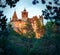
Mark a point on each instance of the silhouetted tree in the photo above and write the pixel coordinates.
(3, 24)
(3, 4)
(11, 3)
(3, 30)
(52, 12)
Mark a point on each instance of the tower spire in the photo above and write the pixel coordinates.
(14, 17)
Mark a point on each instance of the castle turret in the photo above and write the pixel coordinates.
(24, 14)
(14, 17)
(41, 19)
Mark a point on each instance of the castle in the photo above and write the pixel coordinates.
(19, 24)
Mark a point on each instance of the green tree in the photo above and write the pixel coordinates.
(3, 25)
(52, 12)
(38, 23)
(46, 45)
(30, 32)
(39, 26)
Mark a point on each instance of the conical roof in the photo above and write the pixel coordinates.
(14, 17)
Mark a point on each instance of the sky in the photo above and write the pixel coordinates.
(27, 4)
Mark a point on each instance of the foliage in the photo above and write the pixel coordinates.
(29, 28)
(3, 31)
(39, 26)
(20, 45)
(46, 45)
(30, 46)
(38, 23)
(49, 28)
(3, 25)
(11, 3)
(52, 10)
(35, 2)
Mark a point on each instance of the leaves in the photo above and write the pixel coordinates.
(48, 7)
(11, 3)
(43, 1)
(29, 28)
(50, 3)
(1, 13)
(35, 2)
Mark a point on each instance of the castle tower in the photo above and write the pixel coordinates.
(14, 17)
(24, 14)
(41, 19)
